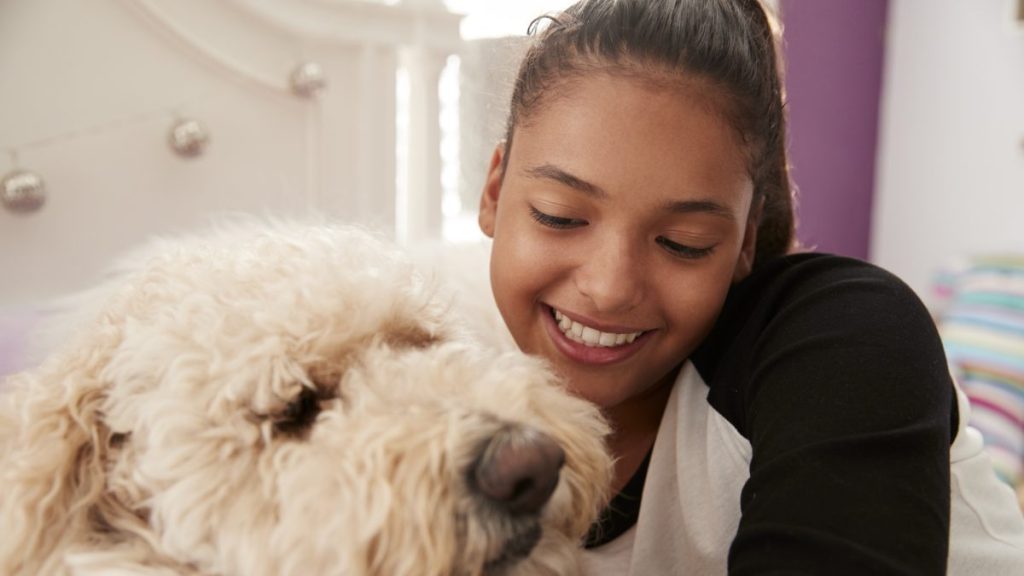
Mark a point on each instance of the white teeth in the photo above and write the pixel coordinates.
(563, 323)
(589, 336)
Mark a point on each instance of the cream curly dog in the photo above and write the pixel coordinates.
(279, 399)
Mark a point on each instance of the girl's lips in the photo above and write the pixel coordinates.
(586, 354)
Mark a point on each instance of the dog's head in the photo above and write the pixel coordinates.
(286, 399)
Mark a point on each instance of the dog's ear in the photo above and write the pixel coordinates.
(52, 444)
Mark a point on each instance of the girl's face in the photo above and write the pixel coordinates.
(622, 219)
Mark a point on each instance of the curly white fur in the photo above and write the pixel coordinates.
(157, 442)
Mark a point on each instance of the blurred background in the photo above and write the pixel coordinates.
(120, 119)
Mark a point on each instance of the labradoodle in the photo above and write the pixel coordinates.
(276, 398)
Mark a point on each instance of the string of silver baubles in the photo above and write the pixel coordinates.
(23, 191)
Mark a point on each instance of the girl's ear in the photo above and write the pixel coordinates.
(492, 189)
(745, 262)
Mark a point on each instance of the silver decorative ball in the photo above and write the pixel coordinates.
(188, 138)
(307, 79)
(22, 191)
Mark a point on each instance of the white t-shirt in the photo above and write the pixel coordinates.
(690, 509)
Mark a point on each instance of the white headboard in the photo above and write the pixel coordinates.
(91, 90)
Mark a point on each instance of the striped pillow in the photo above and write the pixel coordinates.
(982, 327)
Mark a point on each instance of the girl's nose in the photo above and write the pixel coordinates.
(612, 277)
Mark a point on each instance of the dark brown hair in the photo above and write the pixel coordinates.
(726, 45)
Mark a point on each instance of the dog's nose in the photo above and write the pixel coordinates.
(519, 469)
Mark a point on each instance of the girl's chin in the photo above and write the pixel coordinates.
(601, 397)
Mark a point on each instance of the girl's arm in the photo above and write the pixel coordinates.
(845, 396)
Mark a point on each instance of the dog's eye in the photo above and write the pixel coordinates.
(299, 415)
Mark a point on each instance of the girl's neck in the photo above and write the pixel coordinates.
(635, 426)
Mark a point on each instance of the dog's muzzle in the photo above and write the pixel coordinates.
(516, 473)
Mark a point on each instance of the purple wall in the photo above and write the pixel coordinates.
(834, 52)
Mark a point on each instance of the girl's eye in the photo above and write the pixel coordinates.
(555, 221)
(682, 251)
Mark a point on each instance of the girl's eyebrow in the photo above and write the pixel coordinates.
(709, 207)
(552, 172)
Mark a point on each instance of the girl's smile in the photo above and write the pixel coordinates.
(590, 342)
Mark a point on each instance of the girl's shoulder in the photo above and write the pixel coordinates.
(795, 276)
(804, 293)
(820, 324)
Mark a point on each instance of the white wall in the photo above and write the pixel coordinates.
(489, 67)
(951, 156)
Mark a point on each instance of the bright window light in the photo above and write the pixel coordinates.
(496, 18)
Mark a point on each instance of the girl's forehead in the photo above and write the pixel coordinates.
(619, 127)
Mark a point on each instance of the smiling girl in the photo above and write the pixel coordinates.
(773, 411)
